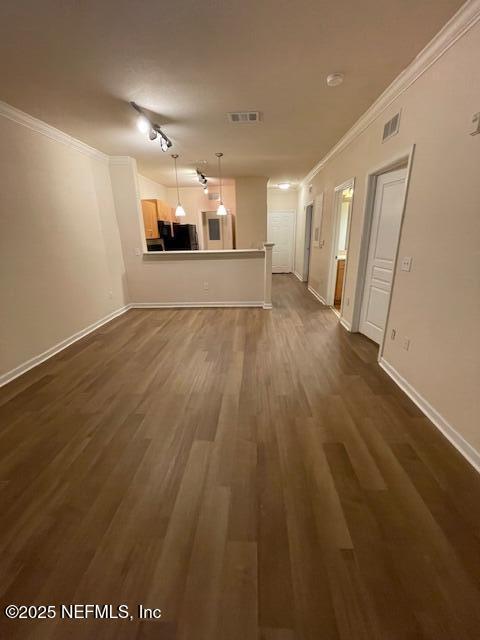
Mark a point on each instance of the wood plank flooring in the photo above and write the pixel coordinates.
(253, 474)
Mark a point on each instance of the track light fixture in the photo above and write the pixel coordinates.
(203, 180)
(154, 131)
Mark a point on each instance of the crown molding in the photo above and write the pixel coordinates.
(465, 18)
(26, 120)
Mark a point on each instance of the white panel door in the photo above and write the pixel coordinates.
(281, 231)
(384, 236)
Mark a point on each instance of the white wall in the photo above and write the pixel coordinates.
(171, 279)
(60, 257)
(151, 190)
(437, 304)
(251, 219)
(281, 199)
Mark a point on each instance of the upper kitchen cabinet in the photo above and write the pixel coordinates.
(153, 211)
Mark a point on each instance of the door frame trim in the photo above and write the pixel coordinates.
(306, 264)
(294, 236)
(332, 272)
(401, 159)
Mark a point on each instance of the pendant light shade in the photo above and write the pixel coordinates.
(179, 211)
(221, 211)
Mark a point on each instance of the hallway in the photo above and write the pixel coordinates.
(253, 474)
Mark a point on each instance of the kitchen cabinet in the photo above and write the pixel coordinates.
(154, 210)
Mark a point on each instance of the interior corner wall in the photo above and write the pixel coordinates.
(437, 304)
(61, 263)
(251, 218)
(151, 190)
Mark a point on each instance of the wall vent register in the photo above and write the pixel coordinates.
(244, 117)
(391, 127)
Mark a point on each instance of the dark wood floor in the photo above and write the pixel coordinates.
(254, 474)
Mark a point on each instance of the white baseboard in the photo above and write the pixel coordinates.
(36, 360)
(458, 441)
(317, 296)
(194, 305)
(295, 273)
(267, 305)
(345, 324)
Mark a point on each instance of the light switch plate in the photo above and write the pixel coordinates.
(407, 263)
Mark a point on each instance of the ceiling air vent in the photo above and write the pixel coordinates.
(391, 127)
(244, 117)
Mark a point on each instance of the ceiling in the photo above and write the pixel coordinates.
(77, 64)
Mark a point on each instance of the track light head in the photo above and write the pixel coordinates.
(154, 131)
(203, 180)
(165, 143)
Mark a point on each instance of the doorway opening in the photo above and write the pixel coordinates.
(343, 203)
(308, 240)
(281, 231)
(382, 250)
(217, 231)
(387, 189)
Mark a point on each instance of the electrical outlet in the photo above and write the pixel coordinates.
(137, 251)
(407, 263)
(393, 334)
(406, 344)
(205, 286)
(110, 294)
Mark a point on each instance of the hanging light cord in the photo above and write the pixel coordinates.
(175, 156)
(219, 155)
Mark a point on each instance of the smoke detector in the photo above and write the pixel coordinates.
(334, 79)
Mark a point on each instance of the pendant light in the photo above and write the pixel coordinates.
(179, 211)
(221, 211)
